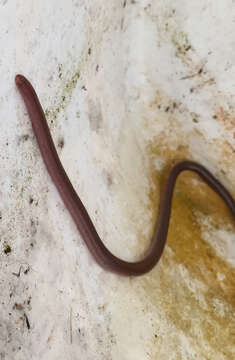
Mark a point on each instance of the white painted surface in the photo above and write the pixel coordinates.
(131, 60)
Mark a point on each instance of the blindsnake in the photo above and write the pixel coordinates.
(77, 210)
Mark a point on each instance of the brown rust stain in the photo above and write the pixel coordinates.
(200, 321)
(226, 118)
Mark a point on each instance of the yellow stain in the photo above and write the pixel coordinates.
(207, 316)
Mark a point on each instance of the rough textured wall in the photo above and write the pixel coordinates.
(128, 87)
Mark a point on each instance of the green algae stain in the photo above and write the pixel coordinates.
(52, 112)
(181, 42)
(205, 316)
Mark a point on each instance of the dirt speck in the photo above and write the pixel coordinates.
(7, 249)
(61, 143)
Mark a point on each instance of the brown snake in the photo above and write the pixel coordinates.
(77, 210)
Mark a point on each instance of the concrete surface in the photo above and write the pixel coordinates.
(128, 88)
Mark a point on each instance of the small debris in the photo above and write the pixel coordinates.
(27, 321)
(17, 274)
(61, 143)
(23, 138)
(29, 300)
(7, 249)
(27, 270)
(18, 307)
